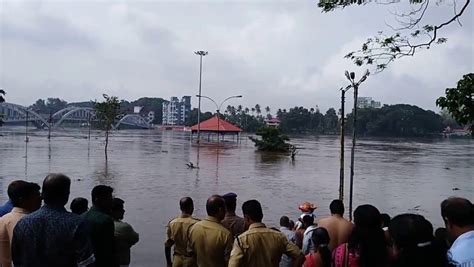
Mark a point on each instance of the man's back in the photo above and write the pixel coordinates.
(7, 224)
(234, 223)
(210, 242)
(461, 252)
(260, 246)
(125, 238)
(338, 228)
(51, 237)
(177, 232)
(102, 237)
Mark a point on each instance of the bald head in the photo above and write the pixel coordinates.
(215, 207)
(186, 205)
(56, 188)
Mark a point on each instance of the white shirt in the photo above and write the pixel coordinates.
(461, 253)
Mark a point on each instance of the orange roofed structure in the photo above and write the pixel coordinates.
(216, 125)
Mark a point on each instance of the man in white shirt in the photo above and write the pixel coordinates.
(458, 216)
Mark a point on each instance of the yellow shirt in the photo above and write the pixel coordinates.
(260, 246)
(210, 243)
(177, 233)
(7, 224)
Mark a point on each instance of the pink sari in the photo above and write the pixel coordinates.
(343, 257)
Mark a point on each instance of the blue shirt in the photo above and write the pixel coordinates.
(6, 208)
(285, 260)
(461, 253)
(307, 239)
(51, 237)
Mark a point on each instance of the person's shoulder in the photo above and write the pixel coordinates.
(326, 220)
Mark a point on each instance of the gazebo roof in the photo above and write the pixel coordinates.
(210, 125)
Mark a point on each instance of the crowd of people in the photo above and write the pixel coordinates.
(371, 240)
(36, 235)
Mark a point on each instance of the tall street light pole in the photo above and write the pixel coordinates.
(218, 110)
(355, 85)
(200, 54)
(341, 170)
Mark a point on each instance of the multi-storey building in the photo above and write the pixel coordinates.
(367, 102)
(175, 111)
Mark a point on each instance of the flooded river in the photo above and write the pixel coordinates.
(147, 169)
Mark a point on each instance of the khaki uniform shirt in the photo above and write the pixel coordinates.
(210, 243)
(260, 246)
(234, 223)
(7, 224)
(177, 232)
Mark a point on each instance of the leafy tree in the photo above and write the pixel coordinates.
(107, 112)
(410, 35)
(50, 105)
(271, 140)
(258, 110)
(2, 99)
(267, 109)
(330, 121)
(397, 121)
(458, 101)
(192, 119)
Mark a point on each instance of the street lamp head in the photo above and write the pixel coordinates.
(238, 96)
(201, 53)
(198, 96)
(353, 75)
(347, 75)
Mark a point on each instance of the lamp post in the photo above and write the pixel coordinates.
(218, 110)
(341, 170)
(200, 54)
(355, 85)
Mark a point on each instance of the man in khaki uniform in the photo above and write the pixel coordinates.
(177, 234)
(260, 246)
(209, 242)
(233, 223)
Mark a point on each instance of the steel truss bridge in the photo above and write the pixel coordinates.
(16, 114)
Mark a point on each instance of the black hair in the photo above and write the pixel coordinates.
(412, 235)
(285, 221)
(320, 238)
(253, 209)
(385, 218)
(337, 207)
(214, 204)
(292, 224)
(79, 205)
(230, 203)
(56, 188)
(20, 190)
(186, 204)
(459, 211)
(117, 203)
(308, 220)
(100, 192)
(367, 237)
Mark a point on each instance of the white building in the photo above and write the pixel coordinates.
(367, 102)
(175, 112)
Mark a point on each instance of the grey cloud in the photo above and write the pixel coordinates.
(48, 32)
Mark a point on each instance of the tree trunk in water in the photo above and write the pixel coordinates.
(106, 141)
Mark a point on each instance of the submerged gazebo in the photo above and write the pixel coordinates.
(216, 125)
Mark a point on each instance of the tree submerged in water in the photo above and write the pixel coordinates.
(271, 140)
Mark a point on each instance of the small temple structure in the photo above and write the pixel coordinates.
(216, 125)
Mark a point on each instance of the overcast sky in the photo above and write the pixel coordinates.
(275, 53)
